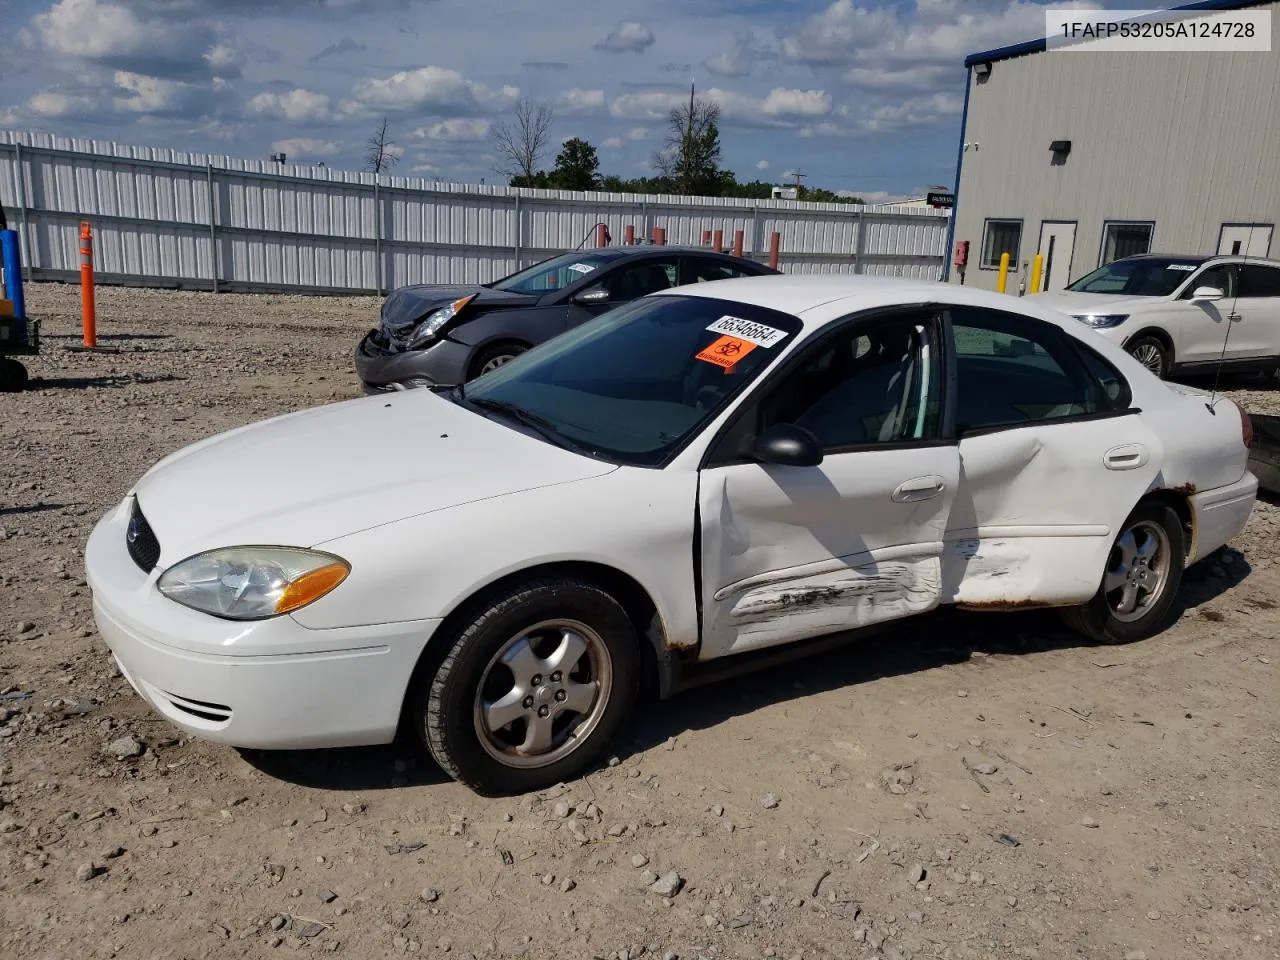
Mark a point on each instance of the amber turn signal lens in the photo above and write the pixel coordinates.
(311, 586)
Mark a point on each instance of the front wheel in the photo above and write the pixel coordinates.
(533, 689)
(13, 376)
(1151, 353)
(491, 358)
(1144, 571)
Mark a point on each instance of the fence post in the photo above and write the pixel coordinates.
(629, 237)
(519, 232)
(88, 308)
(775, 244)
(860, 245)
(644, 214)
(20, 172)
(737, 243)
(755, 231)
(717, 241)
(377, 236)
(602, 235)
(706, 237)
(660, 236)
(213, 229)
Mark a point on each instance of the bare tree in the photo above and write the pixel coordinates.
(690, 154)
(383, 153)
(522, 141)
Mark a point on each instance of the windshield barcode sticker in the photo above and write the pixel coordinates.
(756, 333)
(580, 267)
(1180, 266)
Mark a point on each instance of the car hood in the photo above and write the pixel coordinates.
(405, 306)
(309, 477)
(1072, 303)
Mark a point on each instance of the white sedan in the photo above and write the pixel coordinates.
(710, 473)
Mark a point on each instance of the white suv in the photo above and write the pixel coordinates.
(1181, 314)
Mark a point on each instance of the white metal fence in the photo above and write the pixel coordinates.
(168, 218)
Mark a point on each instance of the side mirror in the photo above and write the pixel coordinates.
(1206, 295)
(591, 296)
(788, 446)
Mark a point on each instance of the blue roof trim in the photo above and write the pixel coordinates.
(1040, 45)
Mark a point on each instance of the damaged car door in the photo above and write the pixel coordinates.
(823, 503)
(1053, 457)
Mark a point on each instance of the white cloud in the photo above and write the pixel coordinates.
(54, 105)
(144, 94)
(780, 107)
(630, 37)
(784, 103)
(638, 133)
(455, 129)
(739, 59)
(114, 35)
(294, 106)
(646, 104)
(305, 147)
(428, 89)
(579, 101)
(612, 143)
(762, 164)
(887, 118)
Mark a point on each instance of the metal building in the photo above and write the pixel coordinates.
(1085, 157)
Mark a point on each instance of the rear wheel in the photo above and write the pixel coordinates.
(1152, 353)
(491, 358)
(13, 376)
(533, 689)
(1144, 571)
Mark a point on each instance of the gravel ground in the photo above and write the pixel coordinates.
(967, 787)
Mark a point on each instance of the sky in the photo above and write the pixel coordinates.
(862, 96)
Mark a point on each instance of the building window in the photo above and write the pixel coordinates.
(1000, 236)
(1120, 240)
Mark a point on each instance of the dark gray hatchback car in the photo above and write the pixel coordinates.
(448, 334)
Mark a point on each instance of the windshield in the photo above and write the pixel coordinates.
(633, 384)
(1145, 277)
(553, 274)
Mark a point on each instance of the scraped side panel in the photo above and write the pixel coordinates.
(833, 600)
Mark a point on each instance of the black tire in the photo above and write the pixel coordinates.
(1152, 353)
(1098, 619)
(494, 356)
(13, 376)
(445, 701)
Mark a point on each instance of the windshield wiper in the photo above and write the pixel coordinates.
(544, 427)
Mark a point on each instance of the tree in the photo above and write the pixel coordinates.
(383, 153)
(522, 141)
(690, 158)
(577, 166)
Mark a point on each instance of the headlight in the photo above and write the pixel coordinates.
(1101, 321)
(429, 327)
(252, 583)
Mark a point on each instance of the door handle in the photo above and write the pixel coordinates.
(919, 488)
(1127, 456)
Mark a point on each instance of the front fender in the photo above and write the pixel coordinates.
(636, 521)
(531, 326)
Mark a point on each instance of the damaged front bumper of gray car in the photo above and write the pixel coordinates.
(385, 363)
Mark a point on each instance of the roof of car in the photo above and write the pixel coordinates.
(798, 294)
(1204, 257)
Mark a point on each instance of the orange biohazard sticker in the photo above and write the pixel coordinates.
(726, 352)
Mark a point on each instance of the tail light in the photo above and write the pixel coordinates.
(1246, 427)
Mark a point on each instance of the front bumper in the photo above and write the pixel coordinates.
(268, 684)
(444, 363)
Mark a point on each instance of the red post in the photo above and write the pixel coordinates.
(602, 235)
(737, 243)
(706, 237)
(88, 311)
(660, 236)
(718, 241)
(630, 235)
(775, 242)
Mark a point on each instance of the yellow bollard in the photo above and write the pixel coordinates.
(1037, 265)
(1003, 278)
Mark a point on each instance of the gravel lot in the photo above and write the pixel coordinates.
(966, 787)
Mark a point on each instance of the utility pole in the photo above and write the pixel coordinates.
(799, 176)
